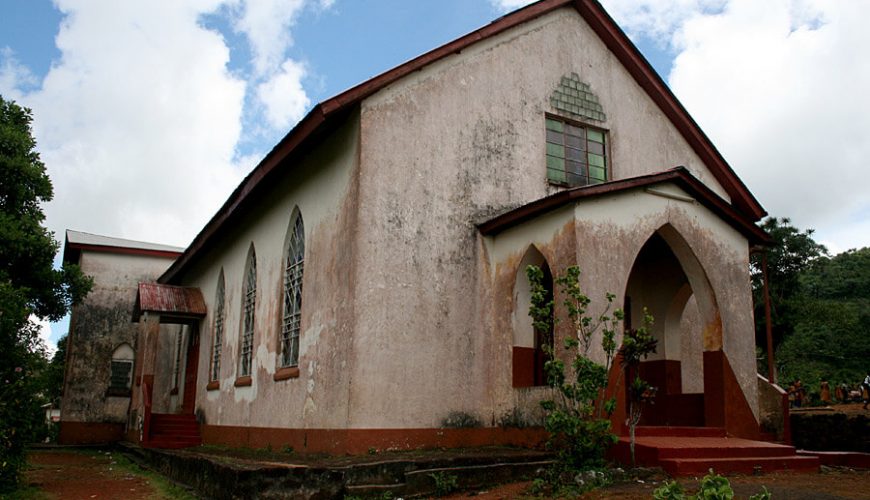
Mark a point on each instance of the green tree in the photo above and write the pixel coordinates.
(793, 252)
(829, 337)
(29, 285)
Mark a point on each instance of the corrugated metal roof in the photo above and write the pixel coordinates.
(169, 301)
(81, 238)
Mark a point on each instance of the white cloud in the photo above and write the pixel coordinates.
(509, 5)
(139, 120)
(283, 97)
(658, 19)
(781, 88)
(266, 24)
(13, 75)
(44, 328)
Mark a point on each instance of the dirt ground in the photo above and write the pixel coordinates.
(830, 484)
(76, 474)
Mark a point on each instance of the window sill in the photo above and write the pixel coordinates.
(243, 381)
(286, 373)
(213, 385)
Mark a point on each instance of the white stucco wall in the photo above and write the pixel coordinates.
(321, 186)
(451, 145)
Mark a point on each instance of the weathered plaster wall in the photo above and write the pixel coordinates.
(448, 146)
(618, 226)
(99, 325)
(322, 186)
(609, 233)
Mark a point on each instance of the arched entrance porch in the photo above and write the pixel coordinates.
(668, 280)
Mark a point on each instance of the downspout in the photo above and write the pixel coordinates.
(768, 327)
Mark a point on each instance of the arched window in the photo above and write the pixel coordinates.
(217, 343)
(294, 264)
(121, 376)
(249, 296)
(528, 349)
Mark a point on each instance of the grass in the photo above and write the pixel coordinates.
(164, 486)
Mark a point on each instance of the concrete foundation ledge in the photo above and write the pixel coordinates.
(408, 475)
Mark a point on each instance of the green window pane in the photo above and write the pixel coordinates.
(595, 135)
(554, 125)
(597, 173)
(576, 142)
(555, 137)
(556, 175)
(555, 163)
(556, 150)
(596, 147)
(596, 160)
(575, 154)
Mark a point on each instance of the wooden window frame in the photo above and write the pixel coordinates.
(249, 307)
(294, 267)
(587, 180)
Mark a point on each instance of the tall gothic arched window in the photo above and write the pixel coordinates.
(294, 263)
(217, 342)
(249, 296)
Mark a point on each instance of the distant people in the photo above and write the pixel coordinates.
(798, 393)
(866, 389)
(825, 392)
(840, 393)
(791, 395)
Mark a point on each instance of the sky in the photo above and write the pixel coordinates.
(148, 113)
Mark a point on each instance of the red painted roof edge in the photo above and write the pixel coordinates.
(678, 175)
(594, 14)
(192, 304)
(641, 70)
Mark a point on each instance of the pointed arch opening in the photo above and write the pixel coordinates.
(218, 329)
(121, 371)
(668, 280)
(294, 266)
(528, 343)
(249, 306)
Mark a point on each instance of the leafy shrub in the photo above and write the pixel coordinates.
(445, 483)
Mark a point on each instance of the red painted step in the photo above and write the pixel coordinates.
(688, 451)
(174, 431)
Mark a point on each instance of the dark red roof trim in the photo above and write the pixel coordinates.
(316, 121)
(170, 301)
(679, 176)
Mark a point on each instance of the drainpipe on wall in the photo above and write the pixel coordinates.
(771, 366)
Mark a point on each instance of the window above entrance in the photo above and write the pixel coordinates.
(576, 154)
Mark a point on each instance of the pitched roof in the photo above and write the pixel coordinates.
(169, 301)
(327, 114)
(76, 241)
(679, 176)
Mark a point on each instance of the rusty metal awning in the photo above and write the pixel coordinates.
(169, 301)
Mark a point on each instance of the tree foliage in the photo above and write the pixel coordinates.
(820, 307)
(793, 251)
(577, 416)
(30, 287)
